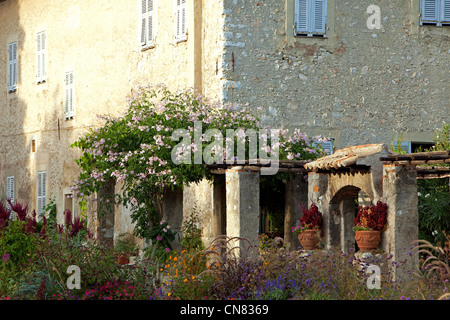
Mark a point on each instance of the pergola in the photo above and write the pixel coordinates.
(428, 165)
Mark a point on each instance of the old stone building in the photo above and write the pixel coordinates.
(354, 70)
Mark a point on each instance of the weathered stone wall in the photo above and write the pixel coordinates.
(359, 85)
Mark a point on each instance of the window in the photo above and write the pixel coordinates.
(41, 67)
(310, 18)
(180, 20)
(147, 23)
(41, 191)
(9, 190)
(69, 95)
(435, 12)
(12, 66)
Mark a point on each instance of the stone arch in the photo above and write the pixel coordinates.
(343, 207)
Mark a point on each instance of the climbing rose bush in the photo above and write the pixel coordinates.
(137, 148)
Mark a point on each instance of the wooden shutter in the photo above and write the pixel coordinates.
(10, 190)
(310, 17)
(147, 33)
(430, 11)
(301, 16)
(41, 68)
(181, 20)
(328, 146)
(318, 16)
(150, 19)
(69, 92)
(446, 11)
(12, 66)
(144, 23)
(41, 192)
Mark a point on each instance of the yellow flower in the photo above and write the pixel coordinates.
(193, 277)
(185, 280)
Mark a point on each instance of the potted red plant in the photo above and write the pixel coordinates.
(370, 221)
(308, 231)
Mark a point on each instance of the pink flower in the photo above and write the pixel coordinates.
(159, 238)
(6, 257)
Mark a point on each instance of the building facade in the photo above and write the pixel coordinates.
(357, 72)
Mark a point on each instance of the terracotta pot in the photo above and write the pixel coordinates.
(309, 239)
(367, 240)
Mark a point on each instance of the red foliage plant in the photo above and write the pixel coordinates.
(373, 217)
(312, 218)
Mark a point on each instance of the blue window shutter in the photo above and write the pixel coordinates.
(328, 146)
(446, 11)
(430, 11)
(301, 16)
(318, 16)
(404, 146)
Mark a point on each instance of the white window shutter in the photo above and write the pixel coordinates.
(41, 192)
(69, 95)
(71, 87)
(150, 22)
(41, 67)
(10, 190)
(178, 23)
(12, 66)
(43, 57)
(144, 22)
(181, 20)
(147, 20)
(66, 103)
(38, 57)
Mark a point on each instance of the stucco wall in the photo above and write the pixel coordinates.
(99, 42)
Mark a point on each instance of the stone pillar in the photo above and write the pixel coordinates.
(173, 212)
(296, 193)
(105, 213)
(317, 189)
(242, 205)
(400, 194)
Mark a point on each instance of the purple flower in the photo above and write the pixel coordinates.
(167, 249)
(159, 238)
(6, 257)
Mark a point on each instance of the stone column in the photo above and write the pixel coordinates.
(242, 205)
(317, 189)
(400, 194)
(296, 193)
(173, 212)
